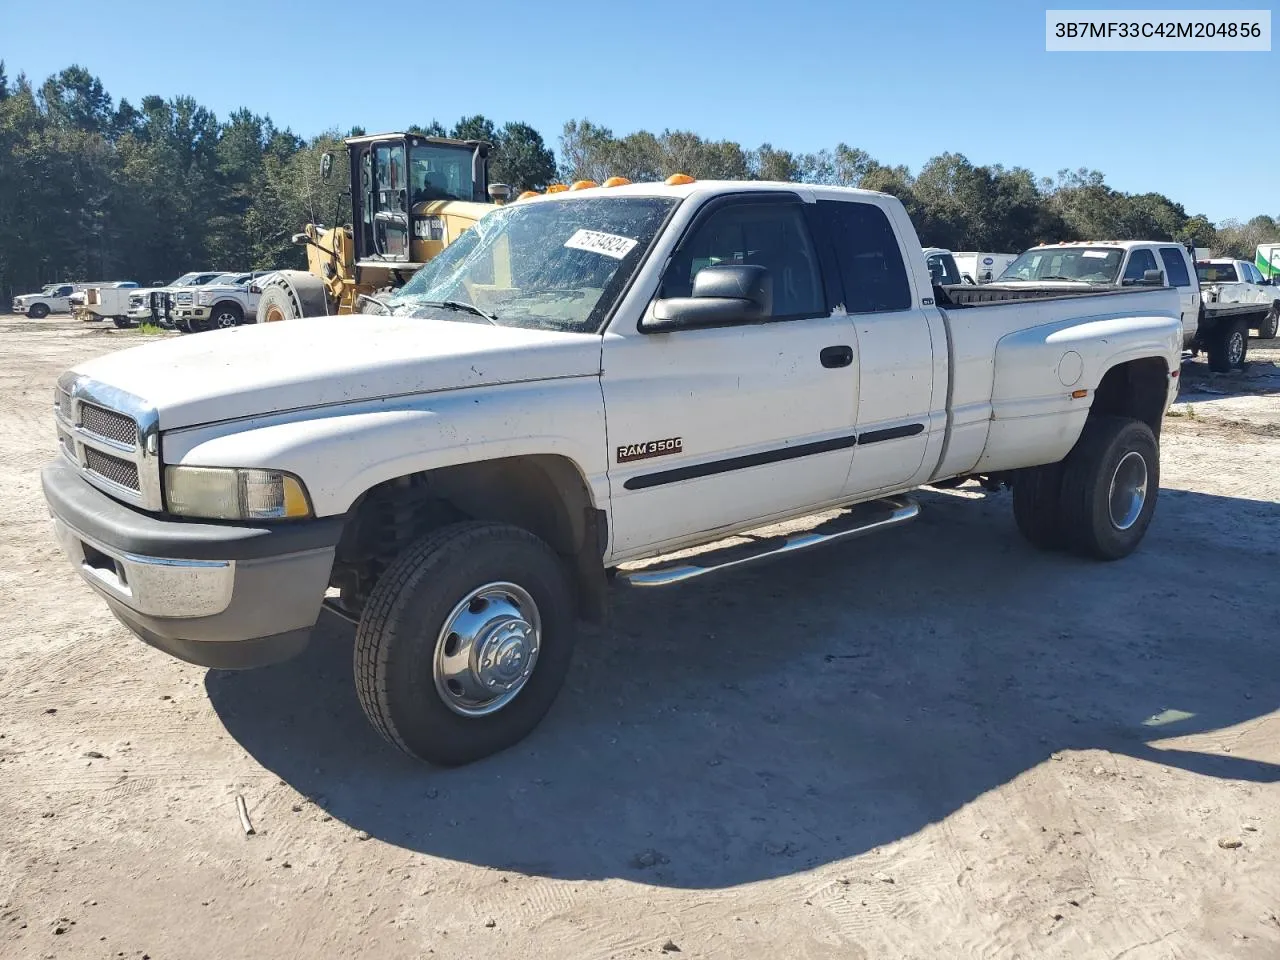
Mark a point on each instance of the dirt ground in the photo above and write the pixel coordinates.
(937, 742)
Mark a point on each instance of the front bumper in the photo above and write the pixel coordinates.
(191, 313)
(213, 594)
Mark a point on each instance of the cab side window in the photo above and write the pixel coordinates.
(771, 235)
(1140, 261)
(1175, 267)
(871, 266)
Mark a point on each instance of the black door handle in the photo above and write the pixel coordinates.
(836, 356)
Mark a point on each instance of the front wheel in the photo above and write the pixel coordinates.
(1110, 482)
(38, 311)
(123, 323)
(224, 317)
(1267, 329)
(465, 642)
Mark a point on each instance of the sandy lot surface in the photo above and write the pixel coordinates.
(934, 743)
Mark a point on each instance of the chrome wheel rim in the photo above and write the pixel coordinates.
(1128, 490)
(1235, 348)
(226, 319)
(487, 649)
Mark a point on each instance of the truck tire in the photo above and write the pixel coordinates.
(1228, 346)
(469, 608)
(38, 311)
(223, 316)
(1110, 483)
(291, 294)
(1037, 506)
(1267, 328)
(124, 323)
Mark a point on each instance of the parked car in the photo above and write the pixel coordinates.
(52, 298)
(154, 304)
(223, 302)
(1219, 329)
(1239, 282)
(587, 379)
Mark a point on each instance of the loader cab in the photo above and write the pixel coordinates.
(394, 175)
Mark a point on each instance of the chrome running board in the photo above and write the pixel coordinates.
(861, 519)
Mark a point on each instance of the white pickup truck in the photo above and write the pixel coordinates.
(155, 304)
(1239, 283)
(52, 298)
(1221, 330)
(223, 302)
(585, 381)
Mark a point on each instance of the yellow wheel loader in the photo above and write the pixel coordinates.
(411, 196)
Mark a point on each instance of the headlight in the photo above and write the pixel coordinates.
(204, 299)
(230, 493)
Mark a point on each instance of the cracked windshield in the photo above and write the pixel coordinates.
(552, 265)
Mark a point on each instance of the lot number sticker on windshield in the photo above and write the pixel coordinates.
(610, 244)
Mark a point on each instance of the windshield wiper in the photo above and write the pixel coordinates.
(460, 305)
(1068, 279)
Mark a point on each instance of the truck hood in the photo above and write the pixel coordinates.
(269, 368)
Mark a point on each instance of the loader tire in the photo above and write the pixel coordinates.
(290, 295)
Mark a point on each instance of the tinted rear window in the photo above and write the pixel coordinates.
(871, 267)
(1175, 267)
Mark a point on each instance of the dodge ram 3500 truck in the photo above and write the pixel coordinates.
(584, 381)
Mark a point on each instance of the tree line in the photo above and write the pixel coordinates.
(99, 190)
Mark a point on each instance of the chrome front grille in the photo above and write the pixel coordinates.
(111, 437)
(120, 472)
(109, 424)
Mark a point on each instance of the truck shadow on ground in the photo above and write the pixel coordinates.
(807, 710)
(1260, 377)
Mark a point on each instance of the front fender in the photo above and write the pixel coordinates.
(339, 452)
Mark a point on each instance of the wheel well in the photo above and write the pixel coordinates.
(1137, 388)
(228, 303)
(545, 495)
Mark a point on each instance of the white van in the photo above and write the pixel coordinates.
(983, 267)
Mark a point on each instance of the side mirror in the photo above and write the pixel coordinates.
(326, 166)
(722, 294)
(1153, 278)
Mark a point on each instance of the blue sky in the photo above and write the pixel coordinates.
(903, 80)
